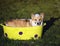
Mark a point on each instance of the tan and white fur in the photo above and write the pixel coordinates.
(18, 23)
(36, 19)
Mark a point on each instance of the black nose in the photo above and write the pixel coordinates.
(38, 23)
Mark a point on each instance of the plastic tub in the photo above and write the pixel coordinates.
(23, 33)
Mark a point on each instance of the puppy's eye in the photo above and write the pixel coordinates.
(35, 19)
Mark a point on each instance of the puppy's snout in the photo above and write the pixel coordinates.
(39, 23)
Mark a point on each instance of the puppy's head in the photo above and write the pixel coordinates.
(37, 19)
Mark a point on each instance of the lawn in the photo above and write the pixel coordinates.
(12, 9)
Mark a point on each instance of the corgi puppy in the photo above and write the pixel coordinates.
(37, 19)
(18, 23)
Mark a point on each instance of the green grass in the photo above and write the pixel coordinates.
(12, 9)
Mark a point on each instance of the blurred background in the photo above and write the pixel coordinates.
(12, 9)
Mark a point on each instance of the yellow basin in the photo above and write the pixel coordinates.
(23, 33)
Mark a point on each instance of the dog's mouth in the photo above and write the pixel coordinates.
(38, 23)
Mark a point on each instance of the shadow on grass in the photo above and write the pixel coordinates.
(49, 23)
(1, 36)
(1, 31)
(13, 42)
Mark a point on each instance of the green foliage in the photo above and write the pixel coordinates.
(12, 9)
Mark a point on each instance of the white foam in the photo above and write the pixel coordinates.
(37, 15)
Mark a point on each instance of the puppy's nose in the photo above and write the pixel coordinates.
(38, 23)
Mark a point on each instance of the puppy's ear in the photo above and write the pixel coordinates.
(32, 15)
(42, 15)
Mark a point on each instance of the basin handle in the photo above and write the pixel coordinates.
(1, 24)
(44, 24)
